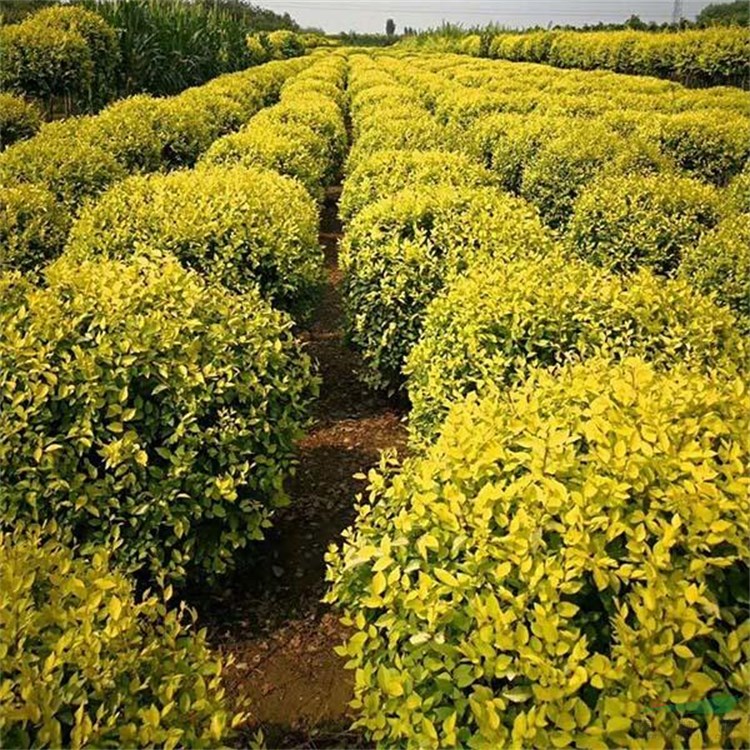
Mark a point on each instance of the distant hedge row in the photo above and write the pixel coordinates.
(716, 56)
(696, 57)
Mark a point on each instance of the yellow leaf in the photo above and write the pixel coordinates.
(618, 724)
(713, 731)
(519, 727)
(502, 570)
(701, 682)
(115, 608)
(217, 726)
(582, 714)
(445, 577)
(378, 584)
(600, 579)
(688, 629)
(450, 723)
(561, 739)
(382, 564)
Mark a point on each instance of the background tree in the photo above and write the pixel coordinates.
(634, 22)
(390, 27)
(13, 11)
(725, 14)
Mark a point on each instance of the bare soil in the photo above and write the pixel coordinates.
(269, 615)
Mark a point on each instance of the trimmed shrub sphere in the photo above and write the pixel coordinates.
(386, 172)
(61, 160)
(146, 133)
(420, 131)
(400, 252)
(293, 149)
(506, 142)
(720, 264)
(242, 227)
(42, 61)
(146, 411)
(318, 112)
(33, 227)
(627, 222)
(86, 664)
(101, 40)
(565, 567)
(499, 320)
(19, 119)
(738, 191)
(712, 144)
(565, 164)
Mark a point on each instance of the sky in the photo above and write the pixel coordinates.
(370, 15)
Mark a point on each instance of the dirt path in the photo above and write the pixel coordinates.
(269, 616)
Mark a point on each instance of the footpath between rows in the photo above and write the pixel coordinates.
(269, 615)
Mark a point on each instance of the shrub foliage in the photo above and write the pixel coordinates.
(144, 410)
(565, 567)
(628, 222)
(242, 227)
(499, 320)
(85, 664)
(401, 251)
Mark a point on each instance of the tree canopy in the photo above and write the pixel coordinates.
(736, 13)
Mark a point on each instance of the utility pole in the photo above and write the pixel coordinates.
(676, 12)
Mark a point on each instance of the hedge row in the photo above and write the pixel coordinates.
(565, 567)
(154, 416)
(561, 562)
(303, 136)
(151, 400)
(696, 57)
(174, 425)
(239, 219)
(392, 265)
(72, 161)
(716, 56)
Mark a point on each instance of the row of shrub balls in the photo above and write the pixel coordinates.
(562, 560)
(152, 392)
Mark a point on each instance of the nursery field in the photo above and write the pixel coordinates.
(378, 398)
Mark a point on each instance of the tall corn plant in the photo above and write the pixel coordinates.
(168, 45)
